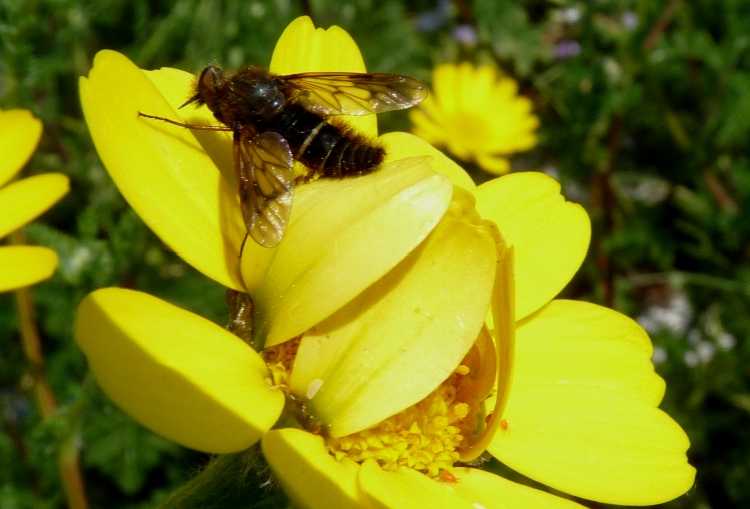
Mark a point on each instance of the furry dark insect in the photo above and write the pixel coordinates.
(277, 119)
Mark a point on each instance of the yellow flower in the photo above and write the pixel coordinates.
(371, 312)
(22, 201)
(477, 115)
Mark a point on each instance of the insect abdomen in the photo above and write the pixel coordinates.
(327, 149)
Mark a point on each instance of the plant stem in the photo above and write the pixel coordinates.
(32, 348)
(239, 480)
(661, 25)
(604, 199)
(690, 278)
(70, 474)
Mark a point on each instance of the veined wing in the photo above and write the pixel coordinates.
(264, 169)
(341, 93)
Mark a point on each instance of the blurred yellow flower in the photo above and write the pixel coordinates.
(477, 115)
(371, 313)
(24, 200)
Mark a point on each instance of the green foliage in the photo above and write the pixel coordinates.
(645, 118)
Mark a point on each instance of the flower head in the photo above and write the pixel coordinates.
(378, 369)
(24, 200)
(477, 115)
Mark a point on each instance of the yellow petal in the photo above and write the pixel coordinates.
(426, 126)
(581, 416)
(408, 331)
(504, 321)
(22, 201)
(445, 83)
(550, 236)
(25, 265)
(162, 170)
(19, 135)
(309, 475)
(477, 115)
(494, 164)
(399, 145)
(344, 235)
(178, 374)
(407, 489)
(304, 48)
(580, 344)
(490, 491)
(474, 390)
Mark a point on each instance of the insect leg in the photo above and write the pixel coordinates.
(304, 179)
(240, 315)
(242, 246)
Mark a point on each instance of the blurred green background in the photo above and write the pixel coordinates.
(645, 118)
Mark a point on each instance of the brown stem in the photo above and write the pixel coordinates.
(70, 474)
(604, 199)
(464, 11)
(661, 25)
(720, 193)
(32, 348)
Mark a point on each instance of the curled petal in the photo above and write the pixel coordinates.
(582, 414)
(178, 374)
(25, 265)
(474, 389)
(309, 474)
(503, 315)
(162, 170)
(22, 201)
(19, 135)
(550, 235)
(343, 236)
(409, 330)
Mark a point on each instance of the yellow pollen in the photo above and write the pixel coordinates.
(279, 360)
(463, 370)
(424, 437)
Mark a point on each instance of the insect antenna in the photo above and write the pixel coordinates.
(189, 126)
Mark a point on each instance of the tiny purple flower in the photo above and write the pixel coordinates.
(567, 49)
(466, 35)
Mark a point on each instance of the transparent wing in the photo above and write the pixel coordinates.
(340, 93)
(264, 169)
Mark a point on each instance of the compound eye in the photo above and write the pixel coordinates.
(211, 78)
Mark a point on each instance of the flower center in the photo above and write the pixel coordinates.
(427, 437)
(279, 360)
(470, 130)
